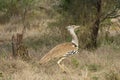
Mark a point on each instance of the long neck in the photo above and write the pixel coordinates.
(74, 37)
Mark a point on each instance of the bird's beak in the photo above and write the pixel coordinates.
(76, 27)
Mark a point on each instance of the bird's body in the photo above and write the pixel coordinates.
(63, 50)
(60, 50)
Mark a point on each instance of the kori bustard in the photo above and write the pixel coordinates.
(63, 50)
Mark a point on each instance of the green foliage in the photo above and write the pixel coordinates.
(116, 40)
(14, 7)
(113, 41)
(94, 78)
(71, 11)
(1, 75)
(84, 12)
(75, 62)
(65, 4)
(93, 67)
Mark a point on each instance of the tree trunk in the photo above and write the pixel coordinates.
(18, 48)
(14, 46)
(88, 36)
(95, 26)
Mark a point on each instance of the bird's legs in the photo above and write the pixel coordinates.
(62, 66)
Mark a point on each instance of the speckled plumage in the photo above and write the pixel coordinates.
(59, 51)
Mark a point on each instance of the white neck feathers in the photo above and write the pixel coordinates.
(74, 37)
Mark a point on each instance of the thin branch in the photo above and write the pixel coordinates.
(43, 8)
(24, 21)
(109, 14)
(114, 16)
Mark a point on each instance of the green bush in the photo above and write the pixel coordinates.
(75, 62)
(94, 78)
(93, 67)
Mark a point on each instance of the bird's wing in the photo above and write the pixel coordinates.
(58, 51)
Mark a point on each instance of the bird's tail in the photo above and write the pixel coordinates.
(45, 59)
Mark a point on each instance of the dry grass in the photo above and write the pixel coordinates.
(102, 64)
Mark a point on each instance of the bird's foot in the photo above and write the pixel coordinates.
(65, 72)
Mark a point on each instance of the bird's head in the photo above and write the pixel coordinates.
(72, 27)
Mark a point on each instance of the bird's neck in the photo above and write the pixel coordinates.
(74, 37)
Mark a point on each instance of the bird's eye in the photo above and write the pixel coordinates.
(68, 27)
(73, 25)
